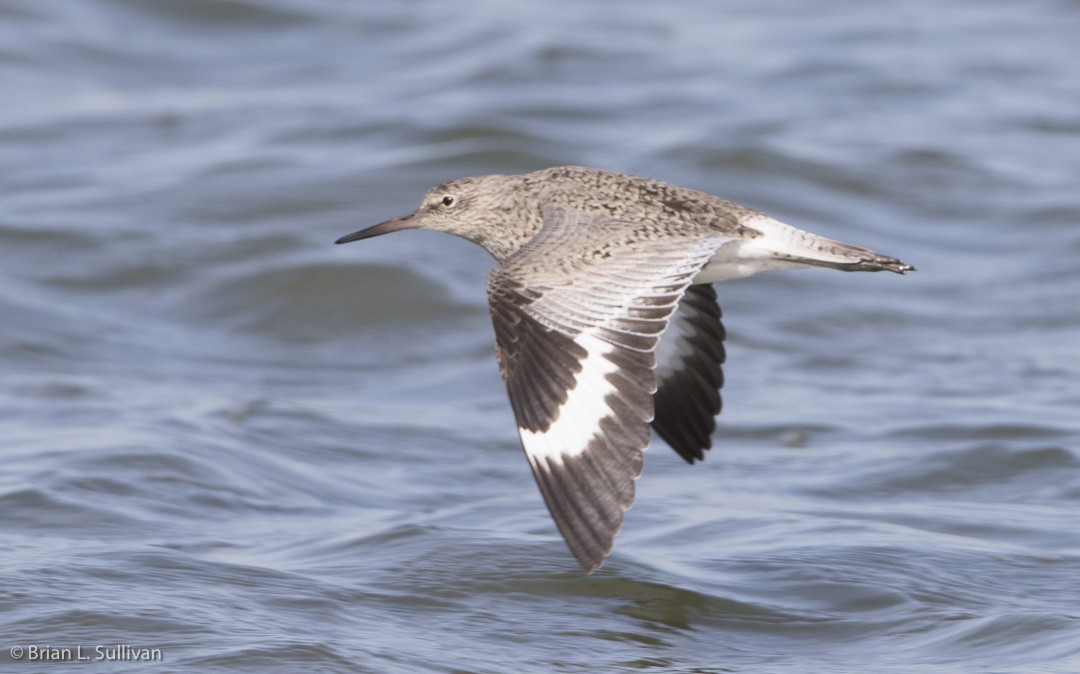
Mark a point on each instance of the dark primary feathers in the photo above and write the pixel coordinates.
(689, 375)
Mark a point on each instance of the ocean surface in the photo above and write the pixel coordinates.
(230, 446)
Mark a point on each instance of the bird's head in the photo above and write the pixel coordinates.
(486, 210)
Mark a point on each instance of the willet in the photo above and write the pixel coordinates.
(606, 320)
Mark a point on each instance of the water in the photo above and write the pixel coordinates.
(227, 439)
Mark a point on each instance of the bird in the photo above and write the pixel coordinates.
(606, 320)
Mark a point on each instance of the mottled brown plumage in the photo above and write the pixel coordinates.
(593, 268)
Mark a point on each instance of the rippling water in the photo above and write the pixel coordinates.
(227, 439)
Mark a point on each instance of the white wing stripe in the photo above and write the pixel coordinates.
(674, 345)
(579, 416)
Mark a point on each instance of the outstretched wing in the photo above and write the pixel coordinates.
(689, 374)
(578, 312)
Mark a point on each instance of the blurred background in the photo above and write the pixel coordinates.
(223, 437)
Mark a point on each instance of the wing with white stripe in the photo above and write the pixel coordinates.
(689, 374)
(577, 314)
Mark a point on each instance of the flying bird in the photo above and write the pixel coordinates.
(606, 320)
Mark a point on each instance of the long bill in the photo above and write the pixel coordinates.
(410, 221)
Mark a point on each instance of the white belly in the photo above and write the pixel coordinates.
(737, 259)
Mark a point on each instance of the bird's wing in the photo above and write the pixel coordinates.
(578, 312)
(689, 374)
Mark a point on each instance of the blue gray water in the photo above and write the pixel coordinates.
(224, 438)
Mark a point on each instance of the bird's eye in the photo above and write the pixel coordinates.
(448, 200)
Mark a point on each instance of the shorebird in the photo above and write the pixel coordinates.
(606, 320)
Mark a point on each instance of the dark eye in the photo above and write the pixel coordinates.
(448, 200)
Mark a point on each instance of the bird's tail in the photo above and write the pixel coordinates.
(783, 242)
